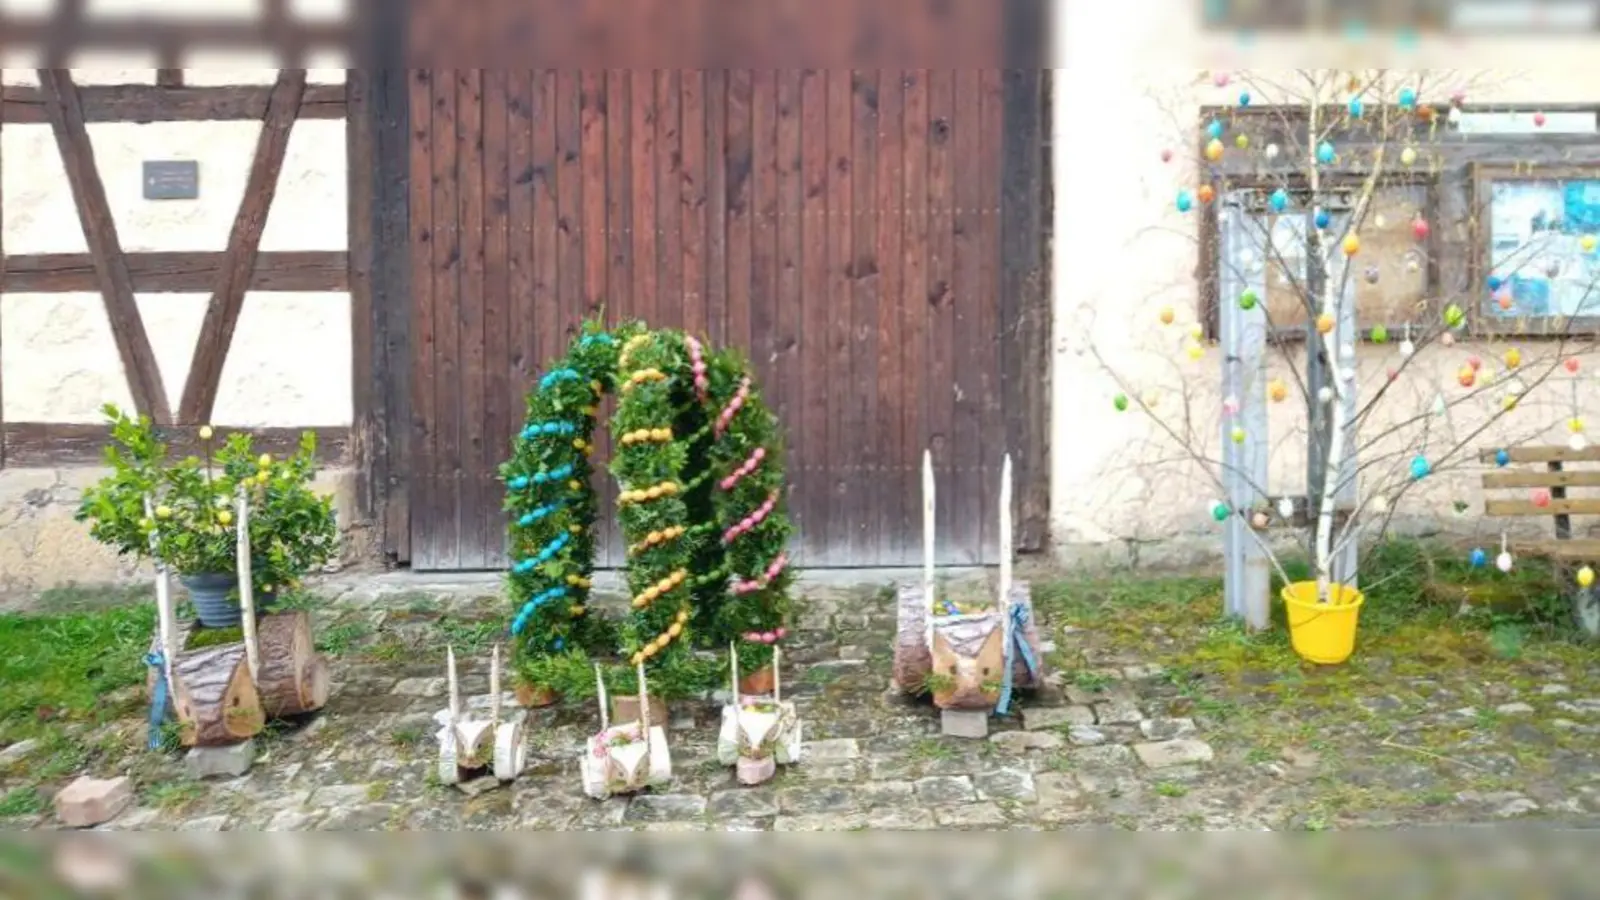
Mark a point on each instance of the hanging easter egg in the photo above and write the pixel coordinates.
(1325, 395)
(1447, 339)
(1285, 508)
(1454, 115)
(1325, 153)
(1453, 316)
(1513, 358)
(1408, 98)
(1503, 561)
(1501, 457)
(1321, 219)
(1149, 399)
(1552, 268)
(1575, 425)
(1419, 228)
(1408, 156)
(1407, 349)
(1259, 520)
(1272, 151)
(1277, 390)
(1585, 577)
(1538, 120)
(1324, 323)
(1248, 299)
(1587, 243)
(1439, 406)
(1478, 559)
(1503, 300)
(1355, 107)
(1242, 141)
(1466, 376)
(1196, 330)
(1494, 283)
(1166, 156)
(1540, 497)
(1184, 202)
(1230, 405)
(1510, 401)
(1351, 245)
(1279, 201)
(1577, 442)
(1348, 373)
(1380, 504)
(1214, 129)
(1244, 98)
(1237, 434)
(1572, 365)
(1207, 193)
(1195, 351)
(1167, 315)
(1213, 149)
(1221, 79)
(1371, 274)
(1220, 511)
(1420, 467)
(1475, 363)
(1380, 220)
(1380, 334)
(1458, 98)
(1347, 351)
(1120, 401)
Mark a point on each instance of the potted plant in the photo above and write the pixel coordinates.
(189, 523)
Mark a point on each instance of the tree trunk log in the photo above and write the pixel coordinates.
(290, 682)
(215, 697)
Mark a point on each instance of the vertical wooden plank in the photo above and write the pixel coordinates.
(546, 225)
(523, 358)
(692, 199)
(865, 457)
(918, 426)
(745, 304)
(816, 313)
(991, 416)
(394, 297)
(1247, 578)
(361, 196)
(969, 352)
(1024, 302)
(619, 195)
(897, 447)
(846, 506)
(785, 279)
(500, 396)
(432, 219)
(569, 203)
(592, 99)
(939, 388)
(714, 200)
(642, 152)
(669, 211)
(468, 396)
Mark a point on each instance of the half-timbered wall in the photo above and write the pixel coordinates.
(844, 228)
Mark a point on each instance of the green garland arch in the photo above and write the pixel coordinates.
(698, 458)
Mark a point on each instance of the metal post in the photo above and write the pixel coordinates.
(1247, 578)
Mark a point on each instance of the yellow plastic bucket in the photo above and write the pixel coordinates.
(1323, 633)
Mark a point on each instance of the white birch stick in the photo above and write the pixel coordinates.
(166, 616)
(247, 593)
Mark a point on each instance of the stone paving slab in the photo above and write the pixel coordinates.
(1123, 745)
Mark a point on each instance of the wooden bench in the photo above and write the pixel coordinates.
(1559, 476)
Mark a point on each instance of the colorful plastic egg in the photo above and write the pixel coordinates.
(1279, 200)
(1325, 153)
(1322, 220)
(1478, 559)
(1420, 467)
(1503, 562)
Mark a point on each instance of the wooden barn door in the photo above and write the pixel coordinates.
(843, 228)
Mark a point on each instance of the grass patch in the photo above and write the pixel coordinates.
(336, 640)
(201, 638)
(60, 667)
(174, 796)
(469, 636)
(22, 801)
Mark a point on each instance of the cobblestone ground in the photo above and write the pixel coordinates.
(1118, 740)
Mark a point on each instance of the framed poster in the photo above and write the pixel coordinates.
(1542, 258)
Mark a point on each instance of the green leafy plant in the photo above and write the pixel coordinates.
(190, 525)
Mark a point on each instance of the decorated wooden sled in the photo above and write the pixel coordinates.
(968, 659)
(469, 742)
(224, 693)
(758, 733)
(626, 757)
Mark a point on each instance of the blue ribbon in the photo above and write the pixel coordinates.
(158, 697)
(1017, 645)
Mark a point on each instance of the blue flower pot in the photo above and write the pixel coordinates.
(210, 592)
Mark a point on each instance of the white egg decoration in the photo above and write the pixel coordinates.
(1380, 504)
(1347, 351)
(1380, 221)
(1503, 561)
(1407, 349)
(1272, 151)
(1325, 395)
(1285, 508)
(1577, 441)
(1348, 373)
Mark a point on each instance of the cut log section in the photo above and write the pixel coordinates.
(293, 678)
(215, 699)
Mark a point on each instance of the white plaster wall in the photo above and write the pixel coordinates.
(289, 362)
(1129, 81)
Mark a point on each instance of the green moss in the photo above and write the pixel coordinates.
(214, 637)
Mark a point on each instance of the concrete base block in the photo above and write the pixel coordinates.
(964, 723)
(221, 762)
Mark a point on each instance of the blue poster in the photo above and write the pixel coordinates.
(1582, 206)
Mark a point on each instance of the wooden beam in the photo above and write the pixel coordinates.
(100, 233)
(392, 299)
(1544, 454)
(1581, 550)
(169, 78)
(53, 443)
(1589, 506)
(222, 316)
(178, 272)
(1529, 479)
(141, 32)
(24, 104)
(361, 194)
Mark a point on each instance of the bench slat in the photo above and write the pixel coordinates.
(1590, 453)
(1581, 550)
(1583, 506)
(1533, 479)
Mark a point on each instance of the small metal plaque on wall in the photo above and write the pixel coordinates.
(171, 179)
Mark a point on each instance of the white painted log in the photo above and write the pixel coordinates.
(247, 595)
(1003, 603)
(929, 524)
(453, 688)
(510, 751)
(494, 685)
(166, 616)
